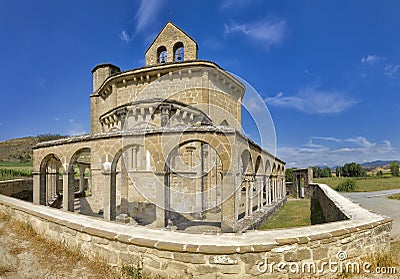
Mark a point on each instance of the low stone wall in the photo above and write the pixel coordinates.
(9, 187)
(331, 209)
(260, 217)
(239, 255)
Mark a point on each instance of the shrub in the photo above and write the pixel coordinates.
(346, 186)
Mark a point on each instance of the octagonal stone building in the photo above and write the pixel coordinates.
(166, 147)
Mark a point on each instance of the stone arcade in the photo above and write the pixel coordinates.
(166, 147)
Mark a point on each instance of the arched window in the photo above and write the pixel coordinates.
(179, 53)
(162, 54)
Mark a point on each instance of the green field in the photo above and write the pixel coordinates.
(295, 213)
(12, 170)
(15, 165)
(363, 184)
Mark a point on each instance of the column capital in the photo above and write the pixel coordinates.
(68, 172)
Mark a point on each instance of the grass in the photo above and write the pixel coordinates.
(363, 184)
(394, 197)
(15, 165)
(295, 213)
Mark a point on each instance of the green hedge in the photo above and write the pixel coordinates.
(346, 186)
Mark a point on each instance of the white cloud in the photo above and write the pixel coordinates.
(125, 36)
(226, 4)
(361, 141)
(371, 59)
(313, 101)
(331, 151)
(268, 32)
(56, 119)
(392, 70)
(75, 129)
(147, 12)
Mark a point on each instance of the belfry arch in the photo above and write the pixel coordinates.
(179, 52)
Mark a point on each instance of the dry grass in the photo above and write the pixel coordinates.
(379, 259)
(394, 197)
(385, 259)
(6, 269)
(46, 251)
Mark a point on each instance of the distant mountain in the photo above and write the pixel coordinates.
(377, 163)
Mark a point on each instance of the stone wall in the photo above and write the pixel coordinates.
(260, 217)
(10, 187)
(240, 255)
(330, 209)
(168, 38)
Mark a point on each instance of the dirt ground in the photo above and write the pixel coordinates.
(25, 255)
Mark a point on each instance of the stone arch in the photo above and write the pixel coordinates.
(51, 181)
(218, 142)
(193, 180)
(247, 178)
(246, 162)
(268, 169)
(162, 55)
(259, 183)
(79, 163)
(179, 52)
(259, 166)
(124, 197)
(70, 186)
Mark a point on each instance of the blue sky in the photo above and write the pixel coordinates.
(329, 71)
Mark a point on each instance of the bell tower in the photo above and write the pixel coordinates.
(172, 45)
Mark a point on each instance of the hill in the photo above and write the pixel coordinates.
(377, 163)
(20, 150)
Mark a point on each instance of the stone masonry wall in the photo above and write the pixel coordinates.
(10, 187)
(330, 209)
(240, 255)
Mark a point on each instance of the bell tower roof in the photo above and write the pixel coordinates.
(171, 45)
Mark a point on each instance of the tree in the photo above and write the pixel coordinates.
(352, 170)
(324, 172)
(289, 175)
(394, 168)
(337, 172)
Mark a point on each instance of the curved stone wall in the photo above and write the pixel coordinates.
(240, 255)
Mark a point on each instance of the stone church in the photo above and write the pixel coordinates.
(166, 147)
